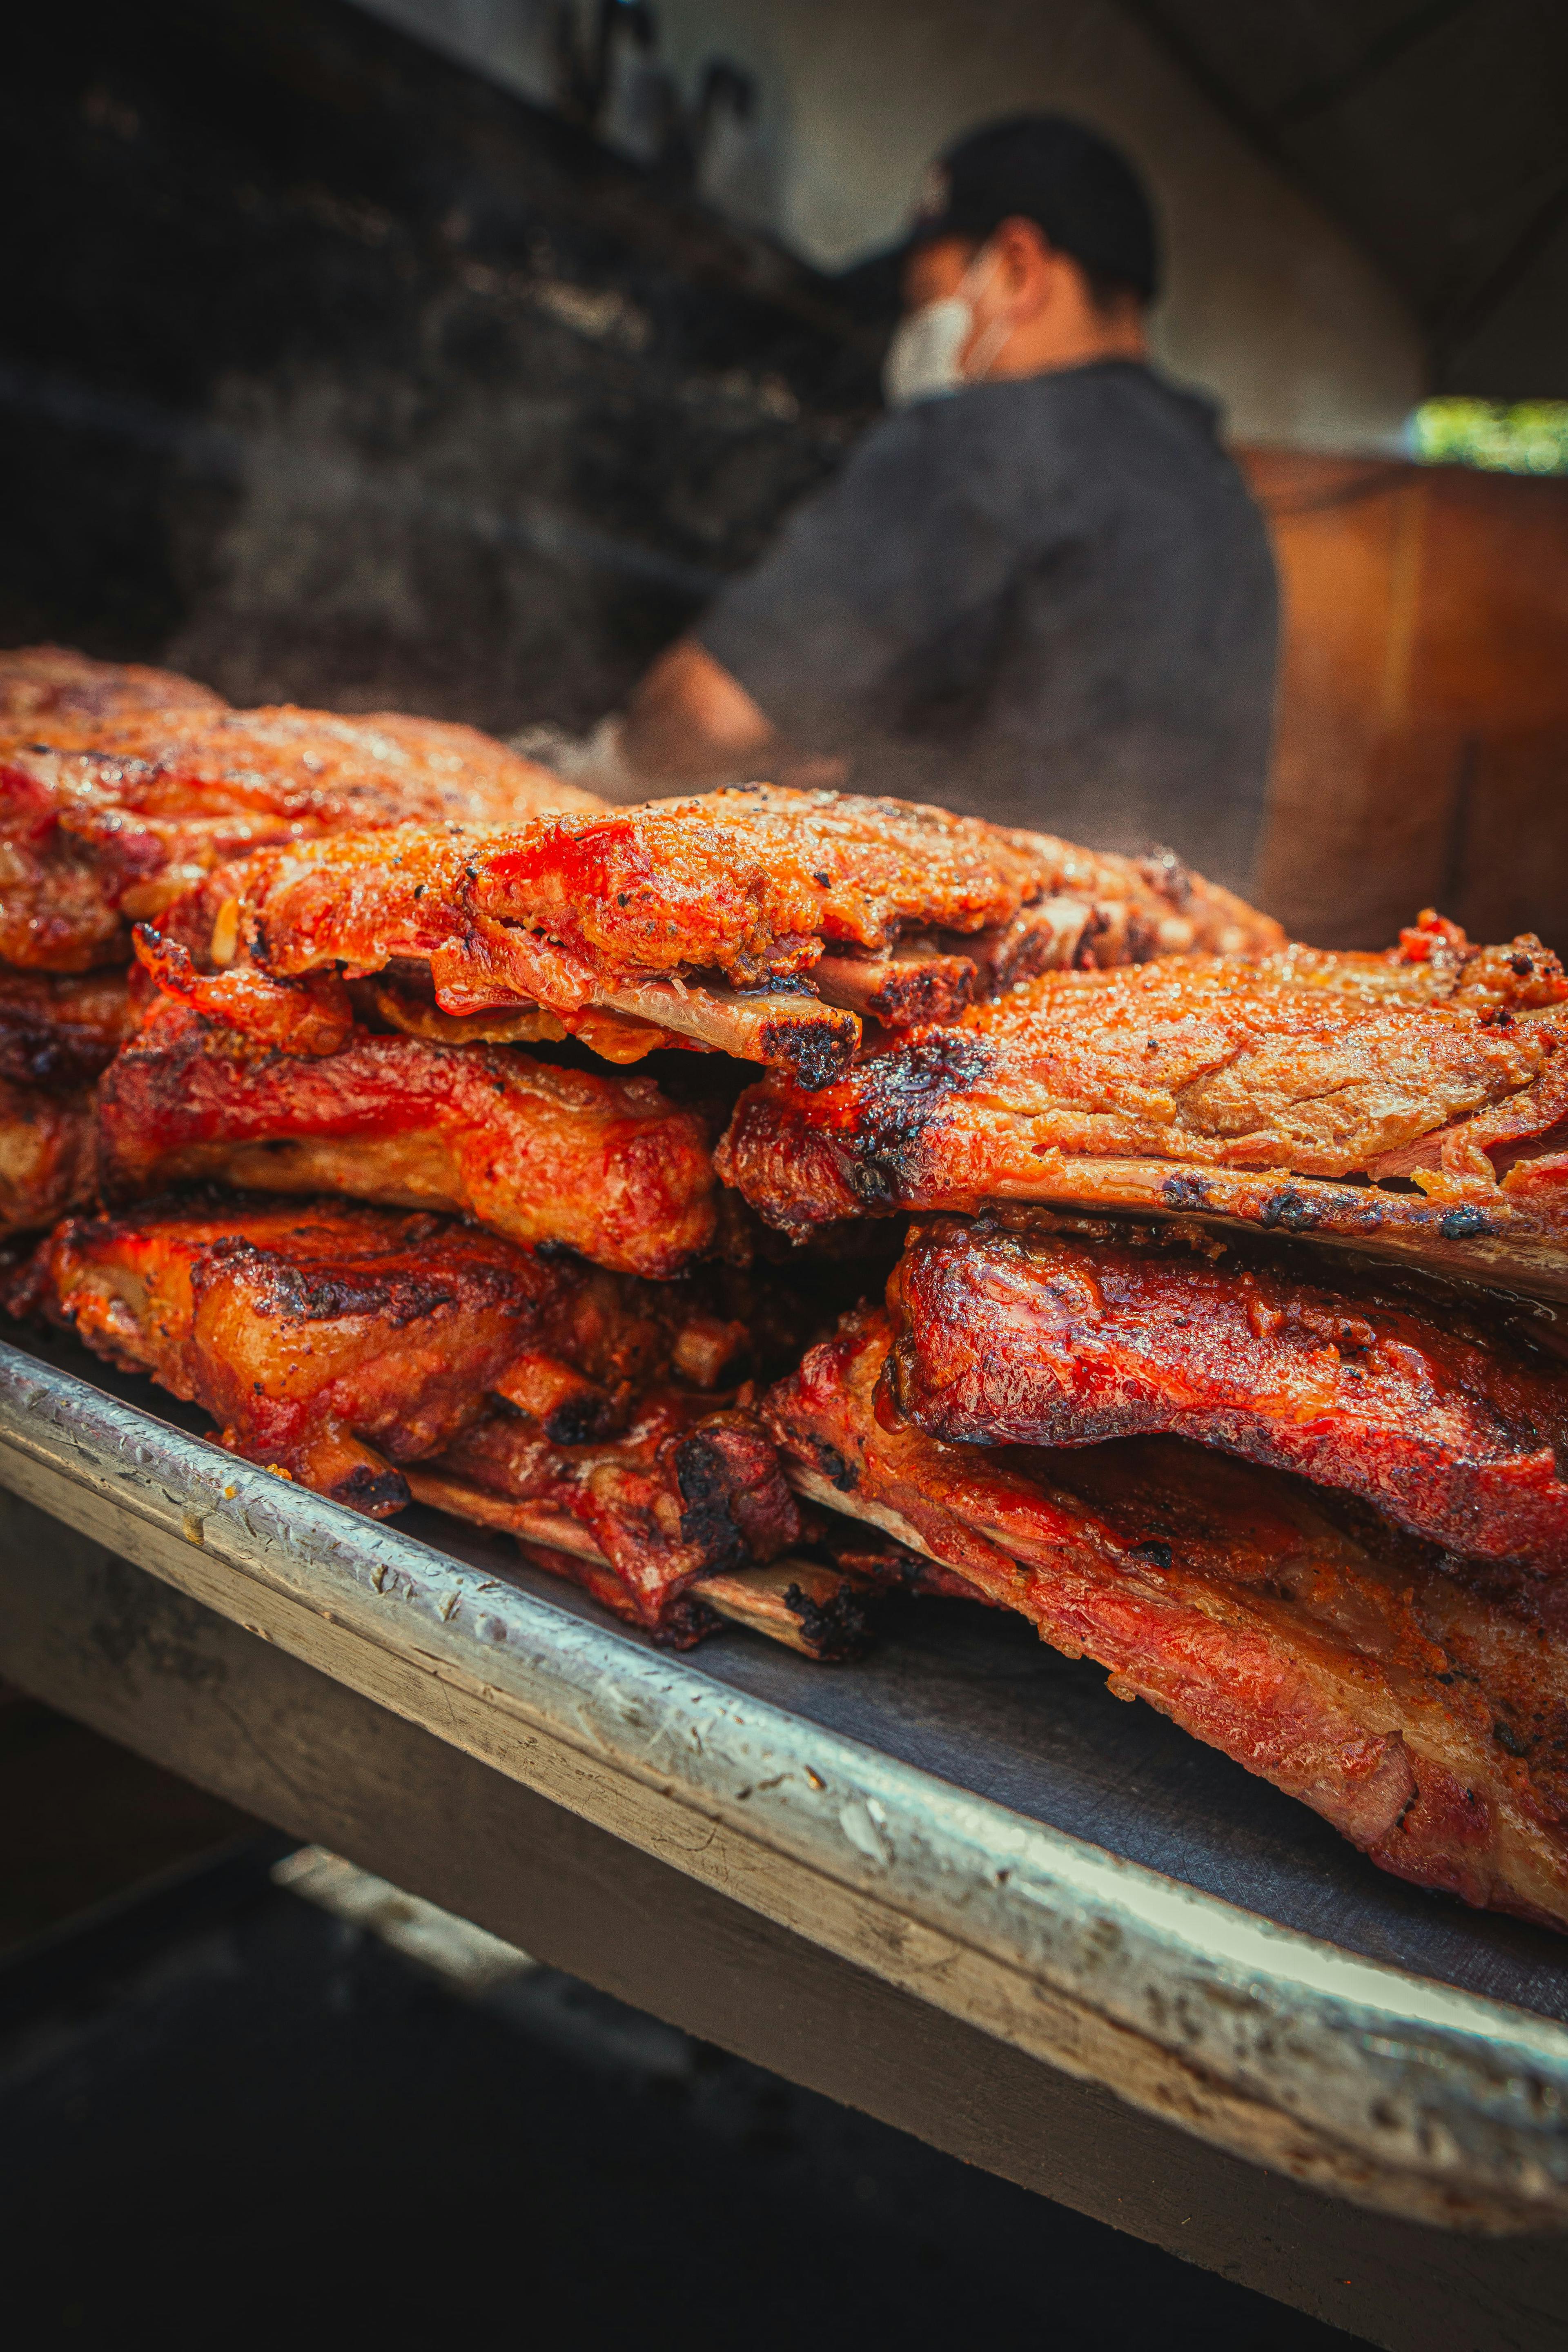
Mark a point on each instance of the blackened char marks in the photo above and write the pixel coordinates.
(815, 1050)
(298, 1294)
(834, 1629)
(1295, 1211)
(1184, 1191)
(1465, 1224)
(735, 1506)
(900, 1096)
(833, 1466)
(686, 1622)
(377, 1492)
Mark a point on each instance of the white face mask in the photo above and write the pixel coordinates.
(925, 356)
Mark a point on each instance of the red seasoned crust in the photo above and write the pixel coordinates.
(750, 883)
(1423, 1713)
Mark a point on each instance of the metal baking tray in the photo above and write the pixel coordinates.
(965, 1813)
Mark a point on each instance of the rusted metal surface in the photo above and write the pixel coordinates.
(1369, 2080)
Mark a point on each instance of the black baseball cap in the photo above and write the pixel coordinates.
(1079, 189)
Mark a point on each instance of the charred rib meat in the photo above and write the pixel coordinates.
(107, 823)
(337, 1341)
(1425, 1714)
(685, 1492)
(604, 1166)
(759, 921)
(47, 1145)
(45, 687)
(60, 1032)
(1009, 1333)
(1200, 1087)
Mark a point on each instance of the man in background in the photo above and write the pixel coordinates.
(1038, 590)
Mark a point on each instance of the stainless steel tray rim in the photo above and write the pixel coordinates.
(1436, 2077)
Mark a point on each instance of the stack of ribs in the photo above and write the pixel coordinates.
(377, 1356)
(427, 1020)
(1282, 1442)
(1414, 1698)
(56, 1035)
(122, 787)
(533, 1167)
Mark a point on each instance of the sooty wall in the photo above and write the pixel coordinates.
(332, 373)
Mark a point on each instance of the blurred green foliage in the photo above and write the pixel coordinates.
(1528, 436)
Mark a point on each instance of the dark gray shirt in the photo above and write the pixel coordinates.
(1050, 601)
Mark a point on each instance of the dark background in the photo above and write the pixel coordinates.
(228, 2117)
(334, 375)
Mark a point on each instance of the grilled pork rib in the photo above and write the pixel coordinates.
(604, 1166)
(762, 922)
(107, 823)
(61, 1033)
(336, 1341)
(1009, 1332)
(373, 1356)
(47, 1145)
(1202, 1088)
(683, 1521)
(641, 1515)
(45, 687)
(1425, 1714)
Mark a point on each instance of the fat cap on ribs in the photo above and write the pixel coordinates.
(1423, 1713)
(608, 1167)
(1022, 1330)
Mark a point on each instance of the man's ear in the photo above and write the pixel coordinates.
(1028, 265)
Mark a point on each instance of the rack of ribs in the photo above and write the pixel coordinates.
(62, 1032)
(606, 1166)
(47, 686)
(1415, 1102)
(757, 921)
(1420, 1708)
(56, 1036)
(371, 1356)
(1023, 1329)
(318, 1330)
(46, 1154)
(108, 821)
(315, 1332)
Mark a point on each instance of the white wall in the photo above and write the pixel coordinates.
(1269, 303)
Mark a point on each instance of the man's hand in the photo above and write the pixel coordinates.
(690, 722)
